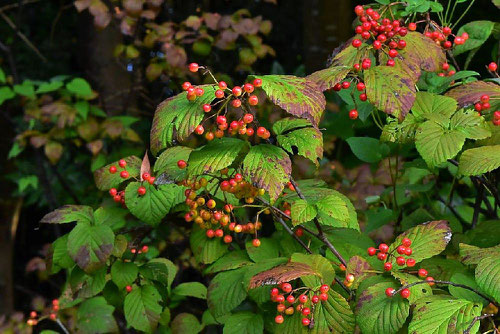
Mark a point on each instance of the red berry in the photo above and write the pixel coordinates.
(113, 192)
(405, 293)
(207, 107)
(128, 288)
(401, 249)
(359, 10)
(141, 191)
(496, 114)
(124, 174)
(261, 131)
(219, 233)
(33, 314)
(112, 169)
(400, 261)
(387, 266)
(324, 288)
(383, 248)
(122, 163)
(346, 84)
(257, 82)
(303, 299)
(390, 62)
(199, 129)
(406, 242)
(401, 44)
(306, 321)
(199, 91)
(237, 91)
(353, 114)
(117, 198)
(412, 26)
(306, 311)
(459, 40)
(256, 242)
(365, 35)
(430, 278)
(372, 251)
(478, 107)
(248, 87)
(193, 67)
(323, 296)
(485, 98)
(145, 249)
(280, 298)
(445, 66)
(360, 86)
(228, 239)
(410, 262)
(145, 176)
(219, 94)
(315, 299)
(422, 273)
(408, 251)
(446, 30)
(377, 45)
(337, 87)
(492, 67)
(403, 32)
(253, 100)
(186, 85)
(279, 319)
(382, 256)
(210, 233)
(286, 287)
(393, 53)
(356, 43)
(447, 44)
(248, 118)
(290, 299)
(222, 85)
(151, 180)
(363, 97)
(236, 103)
(181, 164)
(349, 278)
(250, 132)
(389, 292)
(275, 292)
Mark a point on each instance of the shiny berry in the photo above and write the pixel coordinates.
(430, 279)
(389, 292)
(253, 100)
(256, 242)
(382, 256)
(257, 82)
(286, 287)
(207, 107)
(181, 164)
(372, 251)
(400, 261)
(248, 88)
(401, 249)
(237, 91)
(324, 288)
(306, 311)
(141, 190)
(124, 174)
(122, 163)
(128, 288)
(383, 248)
(353, 114)
(193, 67)
(410, 262)
(303, 299)
(406, 242)
(323, 296)
(279, 319)
(186, 85)
(405, 293)
(422, 273)
(306, 321)
(356, 43)
(219, 94)
(387, 266)
(112, 169)
(315, 299)
(492, 66)
(236, 103)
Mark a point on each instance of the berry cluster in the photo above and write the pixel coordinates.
(483, 104)
(403, 250)
(496, 118)
(440, 35)
(381, 34)
(217, 222)
(119, 196)
(360, 87)
(122, 164)
(405, 293)
(291, 301)
(447, 72)
(238, 97)
(33, 319)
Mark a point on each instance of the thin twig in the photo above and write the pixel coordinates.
(62, 326)
(453, 211)
(15, 5)
(476, 319)
(293, 235)
(23, 37)
(407, 286)
(477, 203)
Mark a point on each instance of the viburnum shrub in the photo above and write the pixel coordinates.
(284, 255)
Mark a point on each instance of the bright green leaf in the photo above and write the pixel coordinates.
(191, 289)
(479, 160)
(226, 291)
(123, 273)
(142, 308)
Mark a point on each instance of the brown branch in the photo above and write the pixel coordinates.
(476, 319)
(477, 203)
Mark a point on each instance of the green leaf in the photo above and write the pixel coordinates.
(323, 270)
(6, 93)
(191, 289)
(436, 144)
(468, 280)
(90, 246)
(478, 31)
(186, 323)
(48, 87)
(333, 210)
(25, 89)
(244, 323)
(176, 118)
(123, 273)
(232, 260)
(329, 77)
(226, 291)
(154, 205)
(390, 90)
(216, 155)
(298, 96)
(204, 249)
(268, 249)
(417, 291)
(470, 124)
(308, 142)
(2, 76)
(80, 87)
(104, 180)
(142, 308)
(378, 314)
(368, 149)
(440, 314)
(488, 276)
(426, 104)
(470, 93)
(86, 286)
(58, 256)
(159, 269)
(302, 212)
(333, 316)
(120, 246)
(267, 167)
(167, 162)
(95, 316)
(289, 123)
(360, 268)
(472, 255)
(69, 214)
(427, 239)
(479, 160)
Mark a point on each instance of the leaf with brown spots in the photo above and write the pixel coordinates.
(470, 93)
(104, 180)
(427, 239)
(216, 155)
(307, 142)
(300, 97)
(472, 255)
(176, 118)
(444, 314)
(90, 246)
(360, 268)
(69, 214)
(282, 273)
(390, 90)
(267, 167)
(329, 77)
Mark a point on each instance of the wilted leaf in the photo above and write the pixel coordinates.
(282, 273)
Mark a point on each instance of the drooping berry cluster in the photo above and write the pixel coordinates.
(291, 301)
(34, 318)
(403, 250)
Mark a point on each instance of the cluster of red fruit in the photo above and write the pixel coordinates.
(305, 305)
(496, 118)
(360, 87)
(405, 293)
(403, 250)
(441, 34)
(384, 34)
(33, 320)
(144, 249)
(446, 69)
(217, 223)
(123, 174)
(119, 196)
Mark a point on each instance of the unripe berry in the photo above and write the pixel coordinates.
(211, 204)
(290, 310)
(112, 169)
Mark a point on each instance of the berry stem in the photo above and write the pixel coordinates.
(446, 283)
